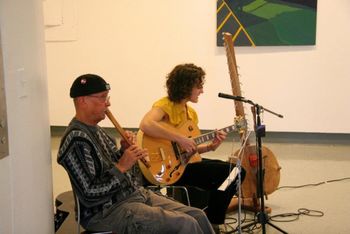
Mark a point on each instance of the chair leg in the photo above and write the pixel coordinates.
(185, 191)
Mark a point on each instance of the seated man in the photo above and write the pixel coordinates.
(102, 175)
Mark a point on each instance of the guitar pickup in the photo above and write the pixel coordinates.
(162, 154)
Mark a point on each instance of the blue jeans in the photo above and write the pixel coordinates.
(148, 212)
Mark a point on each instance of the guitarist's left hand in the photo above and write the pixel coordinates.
(219, 138)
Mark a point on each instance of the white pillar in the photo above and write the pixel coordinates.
(26, 202)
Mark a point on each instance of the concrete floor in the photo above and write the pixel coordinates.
(322, 164)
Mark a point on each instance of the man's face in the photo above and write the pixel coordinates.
(96, 105)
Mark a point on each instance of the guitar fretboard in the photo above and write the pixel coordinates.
(211, 135)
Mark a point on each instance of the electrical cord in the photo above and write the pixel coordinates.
(289, 217)
(315, 184)
(295, 216)
(285, 217)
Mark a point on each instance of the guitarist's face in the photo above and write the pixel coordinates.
(196, 91)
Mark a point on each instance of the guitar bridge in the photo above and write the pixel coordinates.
(162, 154)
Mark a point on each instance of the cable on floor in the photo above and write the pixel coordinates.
(290, 217)
(285, 217)
(315, 184)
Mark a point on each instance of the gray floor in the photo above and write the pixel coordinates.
(304, 161)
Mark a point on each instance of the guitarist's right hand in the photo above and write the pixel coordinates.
(130, 157)
(187, 144)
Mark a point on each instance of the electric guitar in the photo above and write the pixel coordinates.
(168, 161)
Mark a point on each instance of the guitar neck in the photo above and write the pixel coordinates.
(211, 135)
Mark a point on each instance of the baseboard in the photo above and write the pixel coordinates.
(270, 137)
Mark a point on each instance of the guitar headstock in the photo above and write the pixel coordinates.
(240, 124)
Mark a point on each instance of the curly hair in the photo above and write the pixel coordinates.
(182, 79)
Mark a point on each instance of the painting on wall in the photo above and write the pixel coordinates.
(267, 22)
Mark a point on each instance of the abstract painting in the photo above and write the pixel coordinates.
(267, 22)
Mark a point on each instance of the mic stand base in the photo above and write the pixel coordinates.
(262, 218)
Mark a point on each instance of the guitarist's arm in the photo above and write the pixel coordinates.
(151, 125)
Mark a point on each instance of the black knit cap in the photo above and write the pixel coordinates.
(88, 84)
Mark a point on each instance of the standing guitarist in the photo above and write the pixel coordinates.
(184, 84)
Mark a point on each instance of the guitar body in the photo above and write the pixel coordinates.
(165, 157)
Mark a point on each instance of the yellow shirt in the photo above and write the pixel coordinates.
(176, 112)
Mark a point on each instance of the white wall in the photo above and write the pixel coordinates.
(134, 44)
(26, 202)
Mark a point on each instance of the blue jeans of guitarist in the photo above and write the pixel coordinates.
(209, 175)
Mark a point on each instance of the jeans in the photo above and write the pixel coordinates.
(148, 212)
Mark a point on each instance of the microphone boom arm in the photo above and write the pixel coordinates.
(243, 99)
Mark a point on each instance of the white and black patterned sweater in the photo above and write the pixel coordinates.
(89, 155)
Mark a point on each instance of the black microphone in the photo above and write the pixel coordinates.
(228, 96)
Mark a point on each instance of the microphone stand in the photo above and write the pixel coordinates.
(239, 159)
(262, 216)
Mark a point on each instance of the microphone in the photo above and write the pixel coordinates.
(228, 96)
